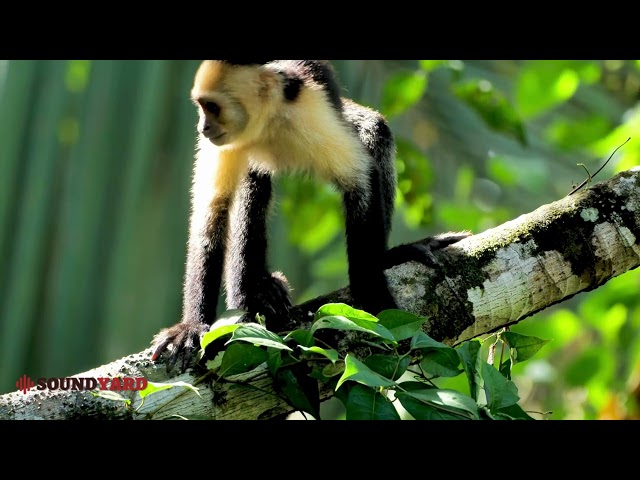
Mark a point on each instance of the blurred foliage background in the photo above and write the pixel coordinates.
(95, 170)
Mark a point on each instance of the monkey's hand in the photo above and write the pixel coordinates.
(422, 251)
(271, 299)
(184, 337)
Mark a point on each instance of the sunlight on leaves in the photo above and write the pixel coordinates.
(523, 347)
(543, 85)
(493, 107)
(357, 371)
(258, 335)
(403, 91)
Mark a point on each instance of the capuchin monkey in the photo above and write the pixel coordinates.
(258, 118)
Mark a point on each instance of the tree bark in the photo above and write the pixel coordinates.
(486, 282)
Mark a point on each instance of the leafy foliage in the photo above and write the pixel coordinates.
(493, 106)
(372, 386)
(462, 163)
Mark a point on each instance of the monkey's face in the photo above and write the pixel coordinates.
(222, 120)
(234, 101)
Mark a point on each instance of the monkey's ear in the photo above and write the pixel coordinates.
(269, 83)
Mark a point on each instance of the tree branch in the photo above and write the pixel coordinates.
(487, 281)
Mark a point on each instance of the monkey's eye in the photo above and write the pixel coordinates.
(212, 107)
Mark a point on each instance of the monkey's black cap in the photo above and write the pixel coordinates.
(246, 62)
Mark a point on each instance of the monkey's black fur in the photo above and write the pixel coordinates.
(233, 238)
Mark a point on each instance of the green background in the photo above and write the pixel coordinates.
(95, 170)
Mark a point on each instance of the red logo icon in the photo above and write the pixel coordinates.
(25, 384)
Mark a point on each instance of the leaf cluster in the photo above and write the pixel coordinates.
(403, 370)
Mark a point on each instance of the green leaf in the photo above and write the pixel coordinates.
(442, 362)
(241, 358)
(111, 395)
(344, 323)
(543, 85)
(153, 387)
(333, 369)
(468, 353)
(401, 324)
(493, 107)
(217, 330)
(329, 373)
(357, 371)
(340, 316)
(499, 391)
(571, 133)
(430, 65)
(437, 358)
(274, 359)
(389, 366)
(343, 310)
(421, 340)
(505, 369)
(258, 335)
(224, 325)
(340, 323)
(364, 403)
(422, 411)
(449, 401)
(522, 347)
(300, 389)
(318, 375)
(343, 393)
(301, 337)
(329, 353)
(402, 91)
(493, 386)
(213, 365)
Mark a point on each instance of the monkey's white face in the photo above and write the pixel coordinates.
(235, 103)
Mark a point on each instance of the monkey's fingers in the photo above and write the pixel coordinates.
(160, 348)
(272, 298)
(443, 240)
(417, 252)
(185, 338)
(276, 289)
(283, 286)
(422, 251)
(274, 302)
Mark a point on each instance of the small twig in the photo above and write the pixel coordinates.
(587, 180)
(505, 329)
(501, 354)
(492, 352)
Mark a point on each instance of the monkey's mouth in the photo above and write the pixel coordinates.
(218, 139)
